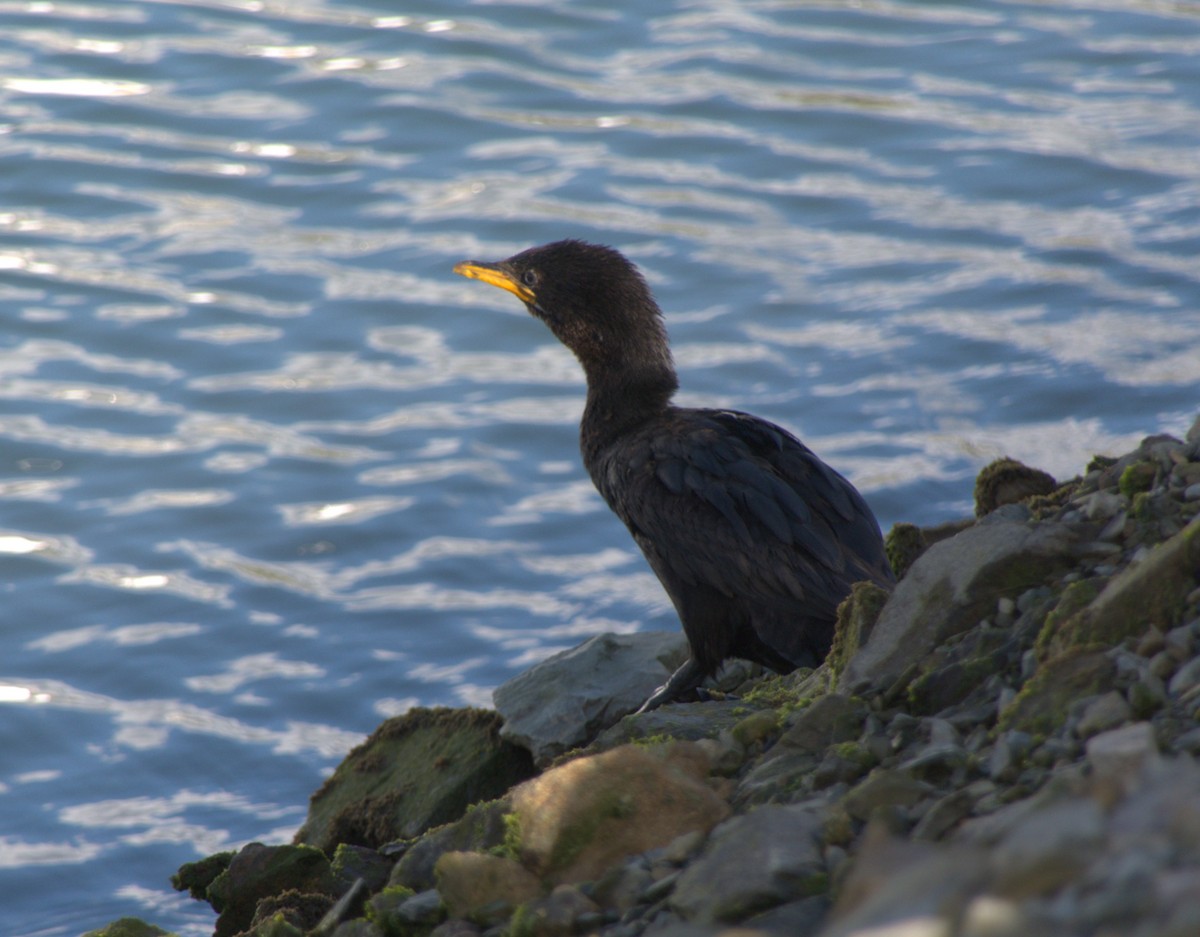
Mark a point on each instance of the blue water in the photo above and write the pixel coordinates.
(270, 473)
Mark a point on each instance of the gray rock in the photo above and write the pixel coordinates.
(755, 861)
(902, 888)
(623, 886)
(829, 720)
(567, 699)
(943, 815)
(1185, 678)
(360, 927)
(950, 587)
(1121, 757)
(558, 912)
(1048, 848)
(796, 917)
(884, 787)
(1103, 713)
(456, 927)
(935, 760)
(422, 908)
(481, 829)
(1101, 505)
(1009, 752)
(1179, 641)
(689, 721)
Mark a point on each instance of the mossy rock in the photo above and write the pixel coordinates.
(903, 544)
(289, 911)
(1007, 481)
(1074, 598)
(1041, 706)
(129, 927)
(944, 687)
(1150, 594)
(195, 877)
(1136, 478)
(275, 926)
(258, 872)
(856, 617)
(351, 863)
(416, 772)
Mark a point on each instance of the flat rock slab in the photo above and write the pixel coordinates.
(950, 587)
(566, 700)
(681, 721)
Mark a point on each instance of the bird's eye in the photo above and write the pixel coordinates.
(529, 278)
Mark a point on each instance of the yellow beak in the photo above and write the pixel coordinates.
(496, 275)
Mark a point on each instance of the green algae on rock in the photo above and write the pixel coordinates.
(1042, 703)
(129, 927)
(415, 772)
(856, 617)
(1007, 481)
(260, 872)
(1151, 593)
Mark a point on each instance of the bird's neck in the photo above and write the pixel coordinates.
(618, 403)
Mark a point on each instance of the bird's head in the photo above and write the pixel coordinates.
(593, 299)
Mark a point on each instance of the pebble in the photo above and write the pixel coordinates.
(1185, 678)
(1115, 528)
(1146, 696)
(1162, 664)
(943, 815)
(1150, 643)
(1047, 848)
(1010, 750)
(884, 788)
(1120, 757)
(1179, 641)
(1103, 713)
(1102, 505)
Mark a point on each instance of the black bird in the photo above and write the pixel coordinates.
(754, 538)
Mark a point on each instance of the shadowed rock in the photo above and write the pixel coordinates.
(950, 587)
(566, 700)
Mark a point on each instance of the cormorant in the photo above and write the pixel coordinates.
(754, 538)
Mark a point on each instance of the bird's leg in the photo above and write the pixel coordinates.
(687, 677)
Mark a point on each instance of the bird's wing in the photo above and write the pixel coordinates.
(834, 504)
(730, 501)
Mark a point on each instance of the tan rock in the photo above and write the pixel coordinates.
(579, 819)
(470, 881)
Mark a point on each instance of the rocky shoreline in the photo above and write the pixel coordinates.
(1003, 747)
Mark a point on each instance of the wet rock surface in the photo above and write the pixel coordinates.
(1005, 746)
